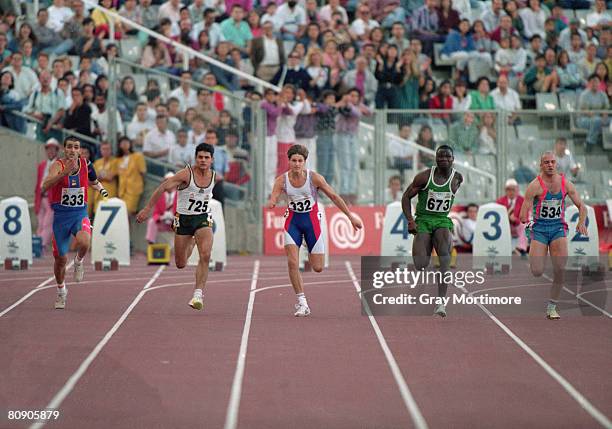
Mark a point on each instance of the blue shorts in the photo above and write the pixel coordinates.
(546, 234)
(306, 225)
(65, 224)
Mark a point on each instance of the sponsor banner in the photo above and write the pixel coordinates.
(343, 239)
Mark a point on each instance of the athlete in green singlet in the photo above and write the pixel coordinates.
(436, 188)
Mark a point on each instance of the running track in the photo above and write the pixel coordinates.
(129, 353)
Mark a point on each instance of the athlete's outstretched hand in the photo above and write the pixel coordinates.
(412, 227)
(582, 229)
(143, 215)
(356, 223)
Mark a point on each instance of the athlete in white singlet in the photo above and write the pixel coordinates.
(303, 218)
(192, 220)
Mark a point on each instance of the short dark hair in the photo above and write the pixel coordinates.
(297, 149)
(445, 147)
(471, 205)
(71, 139)
(204, 147)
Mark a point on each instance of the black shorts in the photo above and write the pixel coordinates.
(189, 224)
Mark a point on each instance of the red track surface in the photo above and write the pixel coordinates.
(167, 366)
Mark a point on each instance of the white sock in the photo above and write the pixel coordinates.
(77, 259)
(302, 299)
(62, 289)
(197, 293)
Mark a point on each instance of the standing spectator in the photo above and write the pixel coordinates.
(593, 99)
(185, 94)
(513, 202)
(292, 19)
(487, 139)
(237, 31)
(363, 79)
(394, 192)
(319, 74)
(42, 208)
(398, 37)
(78, 115)
(10, 100)
(505, 98)
(462, 101)
(273, 111)
(351, 109)
(47, 106)
(220, 165)
(326, 124)
(106, 169)
(131, 169)
(388, 76)
(100, 117)
(463, 136)
(163, 213)
(183, 151)
(59, 15)
(333, 59)
(426, 26)
(24, 78)
(208, 25)
(285, 130)
(425, 139)
(481, 98)
(293, 73)
(566, 164)
(400, 153)
(267, 53)
(159, 140)
(408, 89)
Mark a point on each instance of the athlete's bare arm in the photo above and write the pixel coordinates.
(56, 173)
(419, 182)
(320, 182)
(277, 190)
(533, 189)
(582, 210)
(457, 181)
(169, 184)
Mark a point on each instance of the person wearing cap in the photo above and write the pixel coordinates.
(42, 208)
(163, 213)
(513, 201)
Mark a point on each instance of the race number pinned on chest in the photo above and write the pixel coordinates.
(73, 197)
(439, 202)
(301, 206)
(198, 203)
(551, 209)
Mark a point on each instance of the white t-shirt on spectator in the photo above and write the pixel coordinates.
(277, 22)
(155, 141)
(399, 148)
(359, 26)
(102, 120)
(566, 163)
(24, 83)
(194, 140)
(595, 18)
(135, 127)
(181, 155)
(58, 16)
(326, 12)
(185, 101)
(166, 10)
(291, 19)
(509, 101)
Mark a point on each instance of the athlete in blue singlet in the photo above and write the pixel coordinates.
(548, 229)
(302, 218)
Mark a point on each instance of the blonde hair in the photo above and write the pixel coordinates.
(312, 51)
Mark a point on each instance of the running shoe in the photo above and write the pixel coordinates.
(60, 302)
(440, 310)
(196, 303)
(79, 270)
(301, 310)
(552, 314)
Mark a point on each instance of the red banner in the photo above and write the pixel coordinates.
(343, 239)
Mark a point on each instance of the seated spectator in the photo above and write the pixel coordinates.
(442, 101)
(159, 140)
(197, 134)
(507, 99)
(426, 26)
(513, 12)
(100, 118)
(481, 98)
(483, 44)
(566, 164)
(535, 48)
(487, 138)
(226, 125)
(363, 23)
(184, 93)
(576, 52)
(325, 13)
(10, 100)
(533, 19)
(459, 46)
(294, 73)
(210, 27)
(593, 99)
(400, 153)
(589, 62)
(182, 152)
(267, 53)
(163, 213)
(559, 19)
(156, 55)
(205, 107)
(220, 165)
(140, 125)
(59, 14)
(47, 39)
(463, 135)
(102, 21)
(24, 34)
(25, 80)
(394, 191)
(599, 17)
(426, 91)
(601, 70)
(79, 114)
(235, 30)
(505, 29)
(47, 106)
(127, 98)
(319, 74)
(292, 19)
(513, 202)
(226, 79)
(244, 66)
(462, 101)
(539, 78)
(448, 17)
(398, 36)
(131, 11)
(106, 169)
(570, 78)
(463, 233)
(491, 16)
(424, 61)
(425, 139)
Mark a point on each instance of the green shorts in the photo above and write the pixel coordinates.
(429, 224)
(189, 224)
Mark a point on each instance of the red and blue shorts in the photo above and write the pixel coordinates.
(304, 226)
(65, 224)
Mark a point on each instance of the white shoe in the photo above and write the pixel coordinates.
(60, 302)
(79, 270)
(440, 310)
(301, 310)
(196, 303)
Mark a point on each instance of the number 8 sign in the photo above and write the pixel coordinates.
(492, 240)
(15, 229)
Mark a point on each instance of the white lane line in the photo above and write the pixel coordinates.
(231, 417)
(409, 401)
(579, 296)
(571, 390)
(32, 292)
(74, 378)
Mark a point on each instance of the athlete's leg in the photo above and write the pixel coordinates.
(316, 261)
(558, 254)
(421, 250)
(83, 238)
(204, 241)
(442, 241)
(537, 257)
(293, 264)
(59, 268)
(183, 246)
